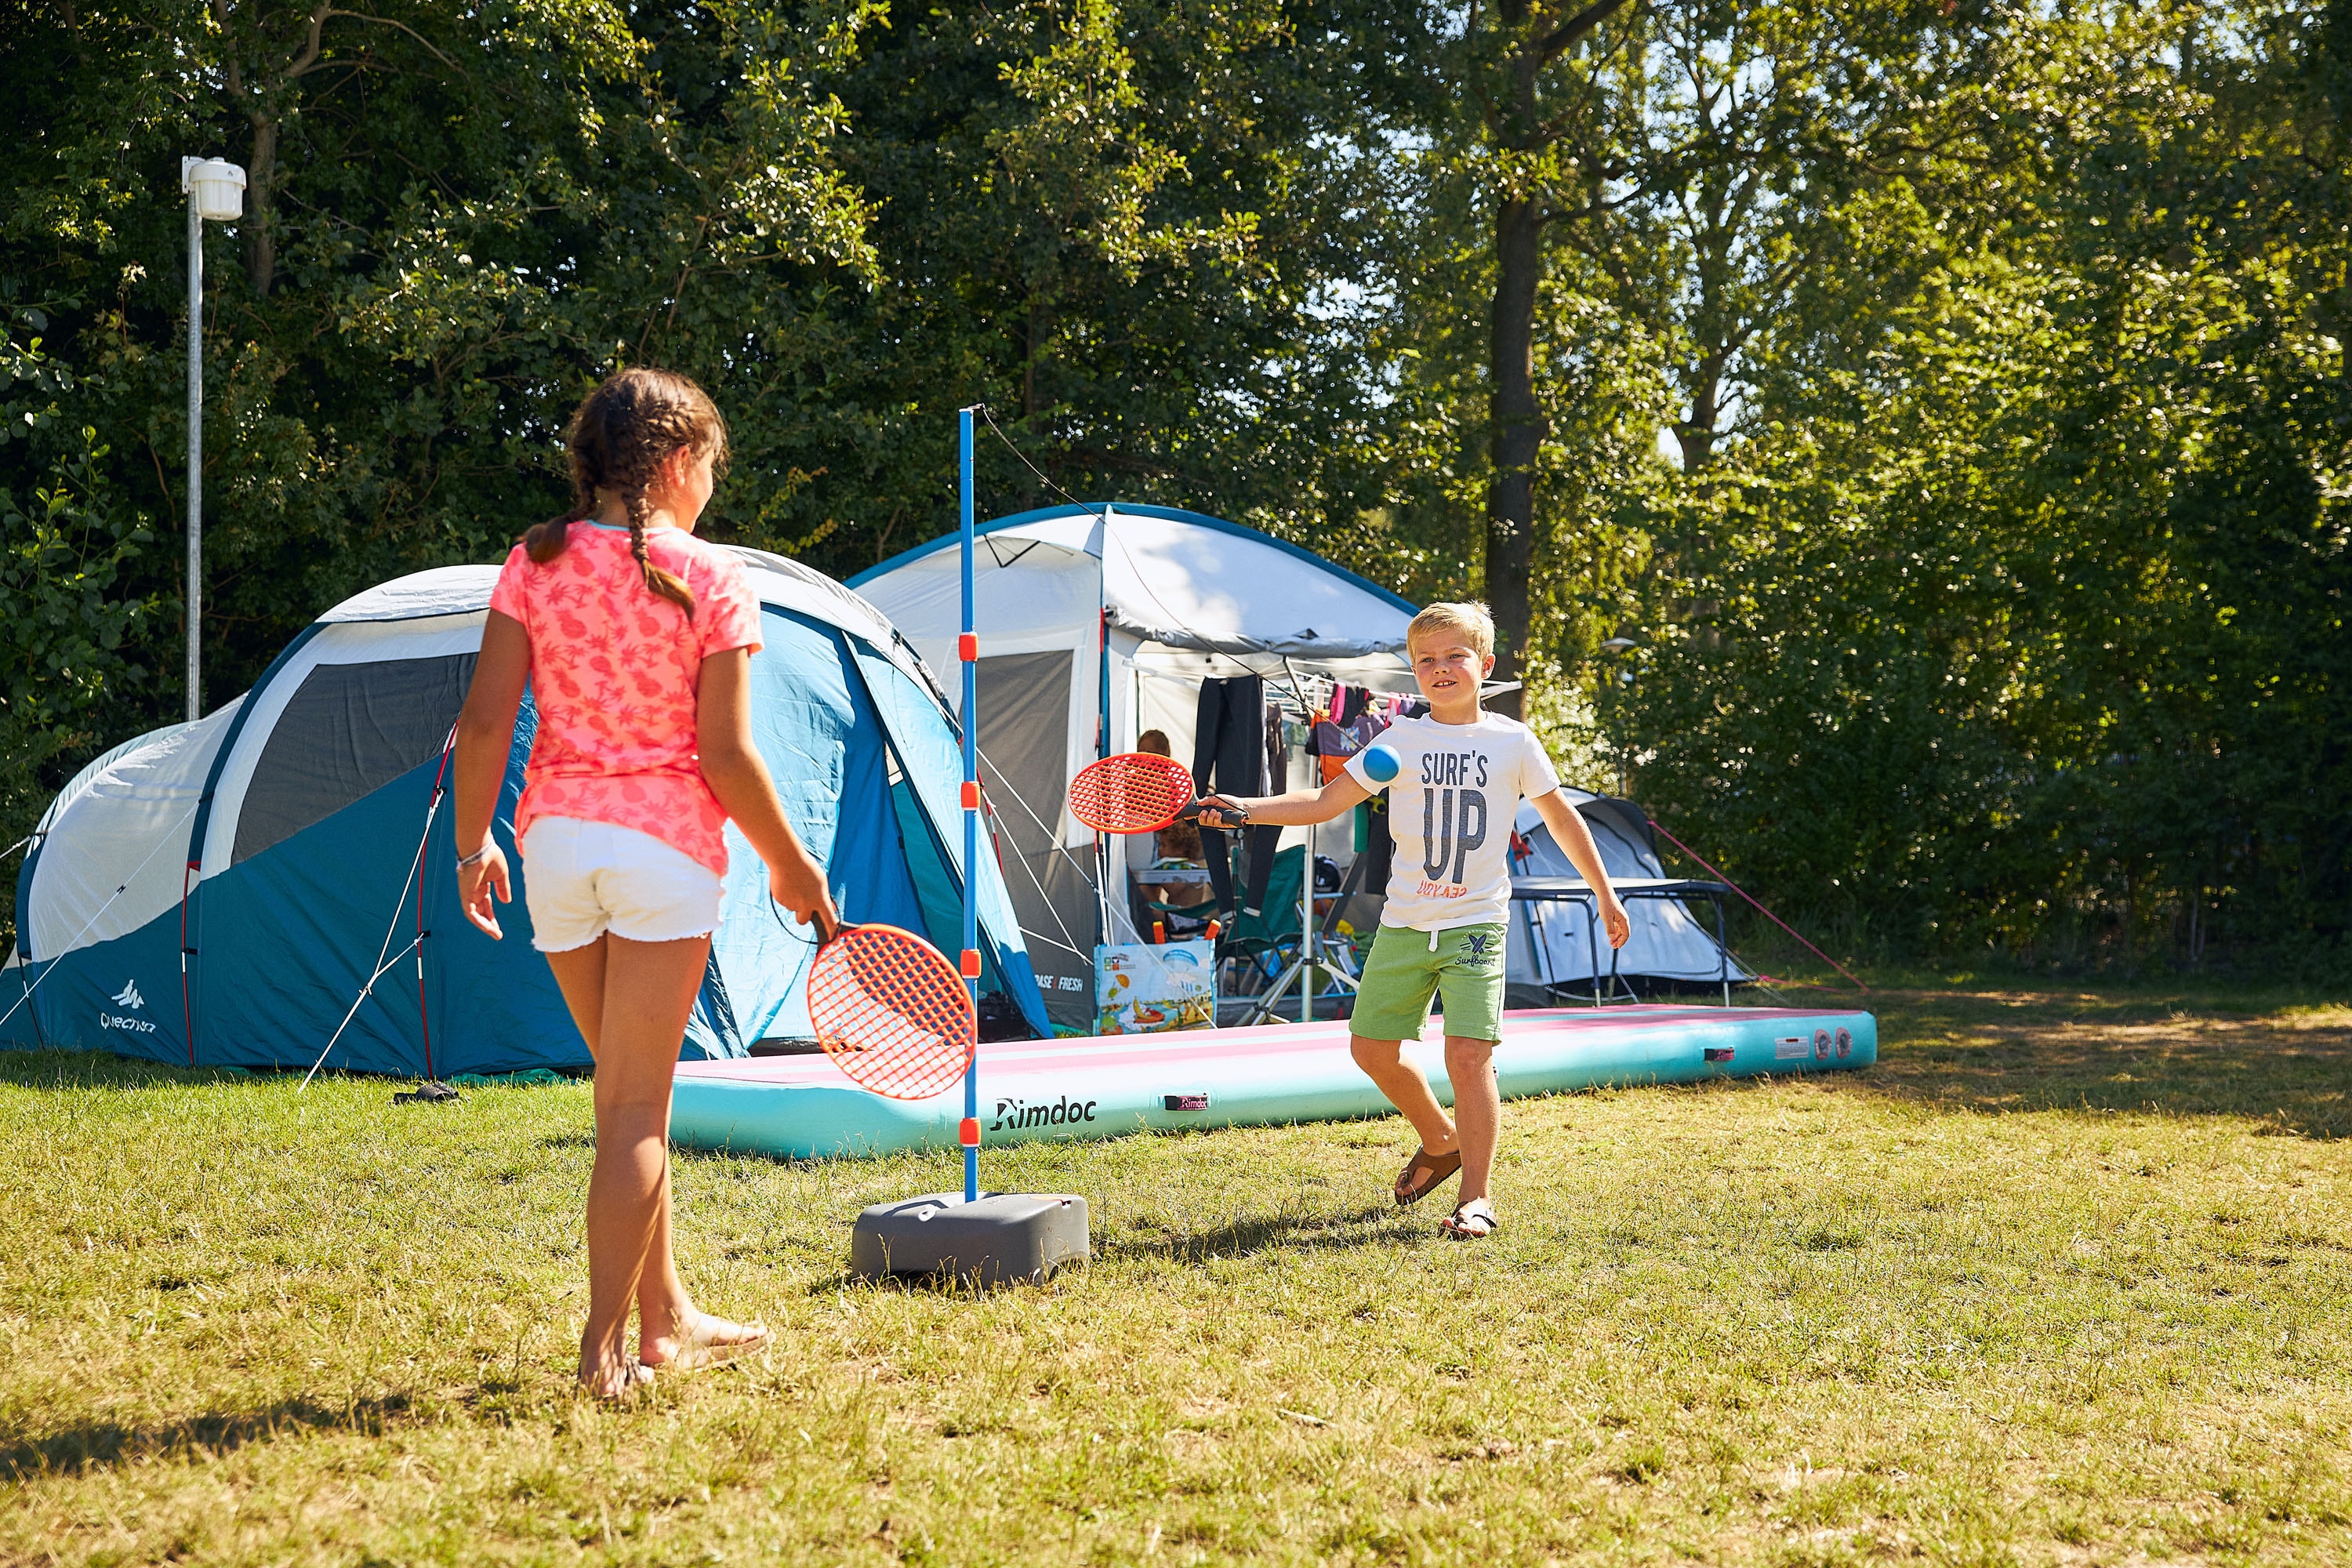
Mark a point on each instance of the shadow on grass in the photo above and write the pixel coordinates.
(1243, 1237)
(100, 1069)
(2007, 1052)
(97, 1445)
(1246, 1235)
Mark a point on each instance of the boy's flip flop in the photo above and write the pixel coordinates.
(1421, 1174)
(1473, 1221)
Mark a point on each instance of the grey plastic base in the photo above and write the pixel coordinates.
(1005, 1238)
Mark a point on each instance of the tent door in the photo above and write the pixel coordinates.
(1024, 744)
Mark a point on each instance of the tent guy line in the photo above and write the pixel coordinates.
(415, 943)
(1060, 848)
(1761, 909)
(1100, 514)
(383, 967)
(94, 913)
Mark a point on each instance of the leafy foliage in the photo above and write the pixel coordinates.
(1947, 398)
(2018, 617)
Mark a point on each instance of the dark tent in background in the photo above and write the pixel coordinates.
(1551, 949)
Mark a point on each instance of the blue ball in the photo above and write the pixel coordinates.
(1381, 764)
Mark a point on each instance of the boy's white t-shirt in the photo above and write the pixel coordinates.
(1451, 807)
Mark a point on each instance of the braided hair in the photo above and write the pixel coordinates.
(619, 438)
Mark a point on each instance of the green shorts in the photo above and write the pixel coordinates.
(1407, 968)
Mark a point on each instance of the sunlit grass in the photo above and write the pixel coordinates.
(2068, 1278)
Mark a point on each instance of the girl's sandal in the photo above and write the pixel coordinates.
(1421, 1174)
(1473, 1221)
(697, 1350)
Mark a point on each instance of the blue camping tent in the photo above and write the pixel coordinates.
(221, 892)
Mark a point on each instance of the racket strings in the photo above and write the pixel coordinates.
(891, 1012)
(1136, 793)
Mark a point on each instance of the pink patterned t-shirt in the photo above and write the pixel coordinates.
(613, 668)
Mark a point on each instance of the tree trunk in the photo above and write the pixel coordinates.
(1697, 434)
(1518, 432)
(260, 243)
(1029, 359)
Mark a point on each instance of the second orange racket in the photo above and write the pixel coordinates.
(1133, 791)
(891, 1012)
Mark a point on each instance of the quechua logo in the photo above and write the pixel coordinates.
(127, 997)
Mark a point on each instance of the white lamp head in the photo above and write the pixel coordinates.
(217, 186)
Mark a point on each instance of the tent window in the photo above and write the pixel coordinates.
(349, 730)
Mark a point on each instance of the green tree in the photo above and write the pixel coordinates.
(2023, 626)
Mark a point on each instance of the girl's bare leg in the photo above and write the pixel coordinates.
(1477, 1109)
(1384, 1063)
(631, 1000)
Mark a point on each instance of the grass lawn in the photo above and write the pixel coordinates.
(2066, 1278)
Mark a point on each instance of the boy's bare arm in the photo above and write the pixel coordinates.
(1568, 831)
(1297, 808)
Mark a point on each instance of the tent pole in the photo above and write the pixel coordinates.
(1722, 952)
(1104, 928)
(968, 654)
(424, 865)
(1306, 933)
(187, 1009)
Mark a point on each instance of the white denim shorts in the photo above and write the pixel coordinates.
(583, 878)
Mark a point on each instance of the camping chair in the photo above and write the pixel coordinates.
(1183, 922)
(1256, 947)
(1328, 955)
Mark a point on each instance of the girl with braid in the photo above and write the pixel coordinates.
(636, 639)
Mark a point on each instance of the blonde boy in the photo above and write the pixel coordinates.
(1451, 806)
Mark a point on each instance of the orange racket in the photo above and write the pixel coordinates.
(1136, 792)
(890, 1011)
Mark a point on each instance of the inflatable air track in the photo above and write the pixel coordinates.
(802, 1107)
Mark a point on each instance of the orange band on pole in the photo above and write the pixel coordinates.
(971, 794)
(972, 963)
(968, 1132)
(967, 646)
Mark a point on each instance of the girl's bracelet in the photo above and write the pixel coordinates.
(476, 857)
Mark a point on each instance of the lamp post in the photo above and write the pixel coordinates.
(215, 190)
(1621, 647)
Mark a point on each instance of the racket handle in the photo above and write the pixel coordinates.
(1158, 932)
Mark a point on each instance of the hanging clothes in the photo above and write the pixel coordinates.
(1234, 736)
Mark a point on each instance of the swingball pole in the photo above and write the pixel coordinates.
(968, 654)
(1005, 1237)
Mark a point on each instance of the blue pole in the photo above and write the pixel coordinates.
(968, 654)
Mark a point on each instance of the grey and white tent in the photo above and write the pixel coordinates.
(1095, 624)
